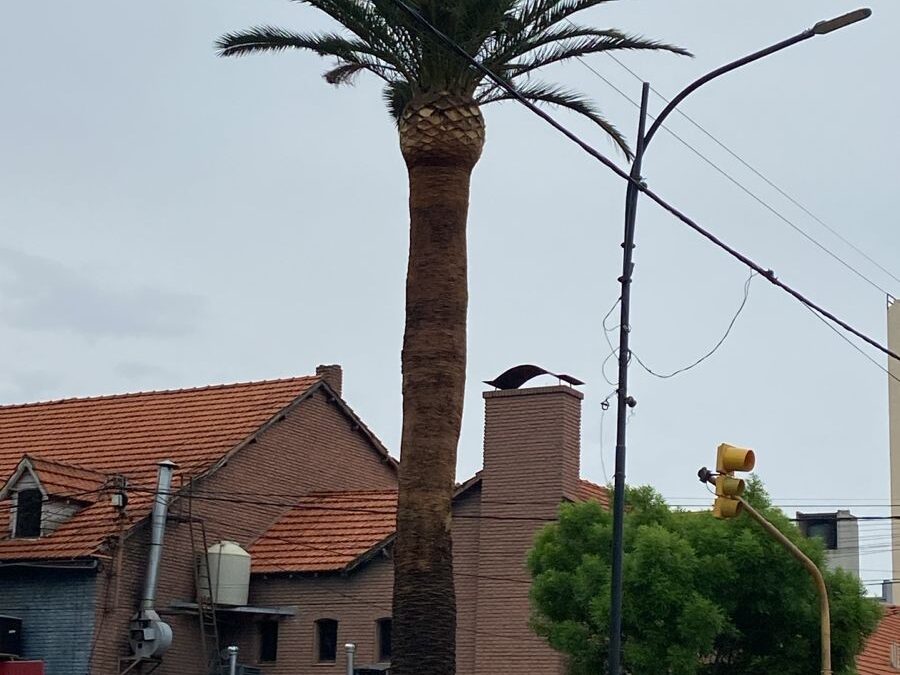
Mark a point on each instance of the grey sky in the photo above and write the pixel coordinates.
(172, 219)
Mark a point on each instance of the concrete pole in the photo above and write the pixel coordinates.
(351, 653)
(232, 660)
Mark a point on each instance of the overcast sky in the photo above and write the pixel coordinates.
(172, 219)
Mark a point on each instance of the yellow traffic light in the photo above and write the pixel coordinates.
(728, 488)
(730, 458)
(727, 508)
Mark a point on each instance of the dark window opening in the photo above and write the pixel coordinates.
(28, 513)
(825, 528)
(384, 639)
(326, 639)
(268, 641)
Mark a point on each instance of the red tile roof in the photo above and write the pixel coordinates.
(588, 490)
(74, 439)
(66, 480)
(875, 659)
(326, 532)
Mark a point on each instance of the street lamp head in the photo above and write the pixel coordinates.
(842, 21)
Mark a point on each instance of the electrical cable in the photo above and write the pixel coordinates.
(790, 223)
(639, 185)
(854, 345)
(753, 169)
(715, 347)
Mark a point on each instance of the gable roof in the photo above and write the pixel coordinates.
(58, 479)
(336, 531)
(131, 433)
(326, 532)
(77, 440)
(875, 658)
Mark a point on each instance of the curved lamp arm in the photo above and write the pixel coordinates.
(821, 28)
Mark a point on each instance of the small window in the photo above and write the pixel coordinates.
(28, 513)
(826, 530)
(383, 635)
(268, 641)
(326, 640)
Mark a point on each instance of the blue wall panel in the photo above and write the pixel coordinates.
(57, 610)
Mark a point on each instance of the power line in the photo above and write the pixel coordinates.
(759, 173)
(639, 185)
(715, 347)
(790, 223)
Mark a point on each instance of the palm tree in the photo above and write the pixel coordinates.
(436, 97)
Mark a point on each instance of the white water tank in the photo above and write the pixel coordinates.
(229, 574)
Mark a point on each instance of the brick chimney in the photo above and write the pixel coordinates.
(532, 446)
(332, 375)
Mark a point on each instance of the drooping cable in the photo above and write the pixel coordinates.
(740, 309)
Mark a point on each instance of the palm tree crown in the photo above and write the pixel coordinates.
(513, 38)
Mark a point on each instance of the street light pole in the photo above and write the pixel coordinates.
(625, 401)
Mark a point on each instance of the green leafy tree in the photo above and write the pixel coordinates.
(436, 98)
(703, 596)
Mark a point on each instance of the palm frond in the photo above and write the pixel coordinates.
(396, 96)
(347, 50)
(369, 24)
(542, 93)
(589, 42)
(344, 73)
(540, 15)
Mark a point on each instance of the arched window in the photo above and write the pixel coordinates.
(326, 640)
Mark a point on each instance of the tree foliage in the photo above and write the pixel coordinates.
(514, 38)
(702, 596)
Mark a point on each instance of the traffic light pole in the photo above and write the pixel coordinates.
(814, 572)
(625, 401)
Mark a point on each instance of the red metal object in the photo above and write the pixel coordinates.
(22, 668)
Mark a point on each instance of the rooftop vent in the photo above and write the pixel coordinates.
(516, 376)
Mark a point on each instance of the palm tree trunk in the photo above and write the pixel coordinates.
(441, 138)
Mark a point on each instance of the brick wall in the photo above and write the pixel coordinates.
(531, 462)
(57, 610)
(314, 447)
(356, 600)
(466, 541)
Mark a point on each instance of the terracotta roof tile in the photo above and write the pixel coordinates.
(74, 441)
(875, 659)
(588, 490)
(326, 532)
(59, 478)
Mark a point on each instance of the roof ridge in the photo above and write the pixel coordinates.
(151, 392)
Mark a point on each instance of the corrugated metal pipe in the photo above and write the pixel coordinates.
(157, 530)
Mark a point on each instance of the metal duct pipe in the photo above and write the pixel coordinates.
(351, 654)
(157, 530)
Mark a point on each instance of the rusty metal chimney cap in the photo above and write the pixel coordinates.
(516, 376)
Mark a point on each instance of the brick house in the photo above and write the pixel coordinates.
(330, 556)
(288, 472)
(72, 564)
